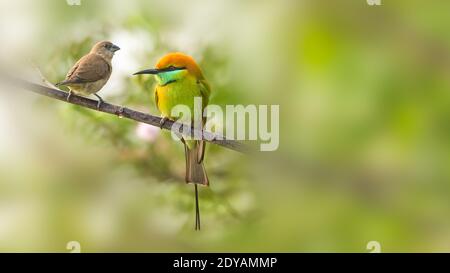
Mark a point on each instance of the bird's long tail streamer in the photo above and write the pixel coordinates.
(197, 210)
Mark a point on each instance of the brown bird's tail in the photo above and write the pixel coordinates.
(195, 172)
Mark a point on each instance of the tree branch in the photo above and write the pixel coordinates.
(124, 112)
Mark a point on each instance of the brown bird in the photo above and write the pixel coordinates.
(91, 72)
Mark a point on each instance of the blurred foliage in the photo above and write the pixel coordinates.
(364, 150)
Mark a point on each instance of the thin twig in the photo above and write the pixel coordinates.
(43, 79)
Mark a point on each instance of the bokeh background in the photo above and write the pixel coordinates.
(364, 125)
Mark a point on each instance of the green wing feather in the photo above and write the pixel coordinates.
(156, 99)
(205, 90)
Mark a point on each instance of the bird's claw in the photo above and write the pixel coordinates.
(68, 96)
(162, 122)
(100, 101)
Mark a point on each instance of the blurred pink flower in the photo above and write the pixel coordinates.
(147, 132)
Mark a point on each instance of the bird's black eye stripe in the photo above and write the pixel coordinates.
(174, 68)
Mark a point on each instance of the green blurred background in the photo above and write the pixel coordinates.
(364, 126)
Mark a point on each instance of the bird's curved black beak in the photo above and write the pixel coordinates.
(147, 71)
(155, 71)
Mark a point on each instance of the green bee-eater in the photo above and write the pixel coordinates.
(179, 81)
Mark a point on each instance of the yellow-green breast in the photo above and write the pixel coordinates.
(182, 91)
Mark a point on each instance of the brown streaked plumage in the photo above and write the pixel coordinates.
(92, 71)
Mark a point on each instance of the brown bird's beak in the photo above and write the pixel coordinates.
(155, 71)
(115, 48)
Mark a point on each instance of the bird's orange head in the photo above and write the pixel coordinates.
(180, 60)
(173, 67)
